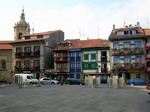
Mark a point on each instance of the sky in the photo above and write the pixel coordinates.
(79, 19)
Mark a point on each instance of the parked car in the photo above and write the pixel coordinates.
(3, 82)
(72, 81)
(137, 81)
(47, 80)
(25, 78)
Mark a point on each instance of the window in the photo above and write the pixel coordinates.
(77, 76)
(27, 49)
(138, 75)
(104, 53)
(138, 44)
(120, 32)
(72, 66)
(132, 31)
(78, 65)
(3, 64)
(20, 36)
(71, 76)
(127, 59)
(138, 58)
(86, 57)
(116, 59)
(36, 62)
(28, 77)
(126, 44)
(18, 49)
(36, 48)
(40, 36)
(116, 45)
(86, 66)
(27, 62)
(93, 66)
(28, 37)
(18, 63)
(93, 56)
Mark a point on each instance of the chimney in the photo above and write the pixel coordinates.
(113, 27)
(138, 24)
(33, 30)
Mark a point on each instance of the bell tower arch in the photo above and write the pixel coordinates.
(21, 27)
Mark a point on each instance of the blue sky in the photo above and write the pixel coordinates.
(77, 18)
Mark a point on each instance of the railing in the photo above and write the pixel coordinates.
(128, 51)
(147, 44)
(104, 70)
(148, 56)
(61, 59)
(103, 59)
(28, 54)
(148, 69)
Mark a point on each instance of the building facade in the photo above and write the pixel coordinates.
(128, 52)
(33, 53)
(83, 58)
(95, 58)
(5, 61)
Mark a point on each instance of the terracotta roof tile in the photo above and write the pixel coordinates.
(42, 33)
(147, 31)
(114, 35)
(77, 43)
(25, 40)
(5, 46)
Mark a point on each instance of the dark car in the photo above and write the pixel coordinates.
(137, 81)
(73, 81)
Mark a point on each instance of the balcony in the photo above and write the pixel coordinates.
(148, 69)
(36, 54)
(27, 68)
(19, 55)
(129, 66)
(36, 69)
(61, 59)
(148, 56)
(147, 45)
(128, 51)
(104, 59)
(104, 70)
(27, 54)
(18, 69)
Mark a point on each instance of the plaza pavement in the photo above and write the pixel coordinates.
(73, 98)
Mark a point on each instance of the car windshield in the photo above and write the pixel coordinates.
(32, 77)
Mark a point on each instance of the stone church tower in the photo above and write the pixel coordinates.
(21, 27)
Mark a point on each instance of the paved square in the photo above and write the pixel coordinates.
(73, 98)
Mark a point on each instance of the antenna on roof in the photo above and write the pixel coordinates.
(124, 23)
(147, 23)
(98, 31)
(33, 28)
(79, 32)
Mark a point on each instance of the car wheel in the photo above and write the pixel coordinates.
(31, 83)
(41, 83)
(132, 84)
(53, 83)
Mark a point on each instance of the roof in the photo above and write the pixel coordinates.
(5, 46)
(147, 31)
(42, 33)
(26, 40)
(77, 43)
(140, 33)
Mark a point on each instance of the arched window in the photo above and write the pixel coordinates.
(20, 36)
(3, 64)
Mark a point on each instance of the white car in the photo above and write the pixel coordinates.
(47, 80)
